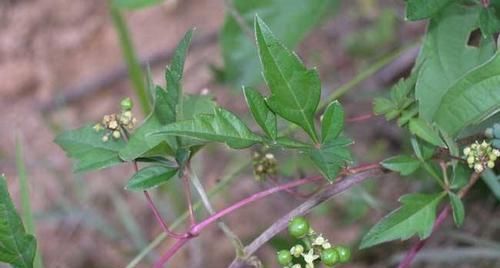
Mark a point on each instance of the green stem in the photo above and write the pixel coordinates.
(360, 77)
(134, 67)
(27, 211)
(161, 237)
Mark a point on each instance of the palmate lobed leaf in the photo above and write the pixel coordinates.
(221, 126)
(261, 113)
(445, 56)
(86, 147)
(241, 64)
(471, 99)
(403, 164)
(415, 216)
(16, 246)
(332, 123)
(331, 157)
(150, 177)
(295, 90)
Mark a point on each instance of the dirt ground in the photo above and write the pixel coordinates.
(47, 47)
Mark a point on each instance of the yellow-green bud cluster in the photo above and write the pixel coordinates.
(264, 164)
(114, 124)
(480, 156)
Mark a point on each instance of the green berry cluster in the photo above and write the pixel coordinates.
(264, 164)
(494, 134)
(314, 250)
(481, 155)
(115, 123)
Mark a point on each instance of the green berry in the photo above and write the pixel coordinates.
(298, 227)
(330, 257)
(126, 104)
(284, 257)
(344, 253)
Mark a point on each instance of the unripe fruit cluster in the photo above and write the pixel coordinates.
(315, 248)
(114, 123)
(480, 156)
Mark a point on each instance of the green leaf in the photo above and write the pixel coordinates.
(332, 123)
(445, 56)
(222, 126)
(292, 143)
(238, 50)
(86, 147)
(261, 113)
(150, 177)
(489, 23)
(458, 209)
(422, 9)
(139, 144)
(403, 164)
(331, 157)
(173, 76)
(295, 91)
(416, 216)
(134, 4)
(492, 181)
(16, 246)
(423, 130)
(472, 99)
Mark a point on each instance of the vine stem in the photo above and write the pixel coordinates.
(156, 212)
(197, 228)
(412, 253)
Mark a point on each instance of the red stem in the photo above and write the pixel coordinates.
(157, 214)
(197, 228)
(360, 118)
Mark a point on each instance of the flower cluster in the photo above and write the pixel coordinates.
(114, 124)
(313, 249)
(481, 155)
(264, 164)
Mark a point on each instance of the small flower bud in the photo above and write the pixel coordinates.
(326, 245)
(116, 134)
(97, 127)
(478, 168)
(466, 150)
(113, 124)
(491, 164)
(297, 250)
(105, 138)
(470, 159)
(489, 133)
(126, 104)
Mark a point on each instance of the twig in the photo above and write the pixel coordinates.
(196, 229)
(412, 253)
(305, 207)
(235, 240)
(238, 18)
(157, 214)
(93, 85)
(360, 118)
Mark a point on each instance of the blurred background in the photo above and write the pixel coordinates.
(61, 66)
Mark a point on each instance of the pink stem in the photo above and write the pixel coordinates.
(359, 118)
(157, 214)
(412, 253)
(197, 228)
